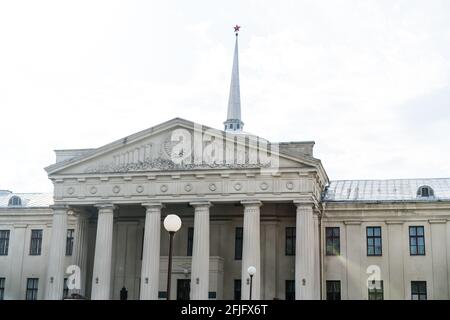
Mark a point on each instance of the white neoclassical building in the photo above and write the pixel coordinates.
(243, 202)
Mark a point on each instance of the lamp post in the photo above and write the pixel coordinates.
(172, 223)
(251, 271)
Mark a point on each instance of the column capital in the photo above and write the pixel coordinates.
(303, 204)
(199, 204)
(153, 205)
(105, 206)
(251, 203)
(59, 208)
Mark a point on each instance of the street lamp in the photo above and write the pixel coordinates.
(172, 223)
(251, 271)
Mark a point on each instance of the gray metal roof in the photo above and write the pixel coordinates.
(386, 190)
(29, 200)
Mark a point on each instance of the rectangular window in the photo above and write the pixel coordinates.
(333, 242)
(290, 289)
(65, 289)
(290, 241)
(69, 241)
(36, 242)
(238, 242)
(333, 290)
(32, 289)
(2, 288)
(237, 289)
(416, 241)
(190, 241)
(374, 247)
(4, 242)
(376, 290)
(418, 290)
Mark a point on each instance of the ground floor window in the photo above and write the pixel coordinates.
(237, 289)
(32, 289)
(376, 290)
(290, 289)
(418, 290)
(333, 290)
(2, 288)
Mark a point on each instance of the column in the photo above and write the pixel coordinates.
(15, 281)
(304, 253)
(200, 252)
(55, 273)
(101, 276)
(151, 252)
(80, 249)
(317, 269)
(251, 251)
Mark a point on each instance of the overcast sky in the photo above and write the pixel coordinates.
(368, 81)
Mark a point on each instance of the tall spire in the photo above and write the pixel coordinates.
(234, 123)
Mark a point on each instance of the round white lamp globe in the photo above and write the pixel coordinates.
(251, 270)
(172, 223)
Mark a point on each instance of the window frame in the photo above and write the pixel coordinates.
(377, 291)
(420, 294)
(238, 243)
(416, 238)
(190, 242)
(237, 293)
(70, 241)
(2, 287)
(373, 237)
(32, 289)
(4, 242)
(335, 241)
(289, 290)
(290, 238)
(37, 241)
(333, 294)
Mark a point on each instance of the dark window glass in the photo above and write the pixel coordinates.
(162, 294)
(290, 289)
(2, 288)
(190, 241)
(333, 243)
(36, 243)
(238, 242)
(65, 289)
(212, 295)
(4, 242)
(142, 243)
(333, 290)
(237, 289)
(32, 289)
(69, 241)
(416, 241)
(376, 290)
(374, 247)
(15, 201)
(290, 241)
(418, 290)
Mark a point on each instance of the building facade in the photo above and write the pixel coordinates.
(243, 202)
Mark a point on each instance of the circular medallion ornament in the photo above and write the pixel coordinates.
(212, 187)
(264, 186)
(116, 189)
(290, 185)
(139, 189)
(93, 190)
(237, 186)
(164, 188)
(70, 190)
(188, 187)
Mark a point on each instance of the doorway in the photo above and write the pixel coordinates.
(183, 289)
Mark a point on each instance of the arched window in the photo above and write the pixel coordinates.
(14, 201)
(425, 192)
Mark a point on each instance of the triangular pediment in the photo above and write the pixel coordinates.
(174, 145)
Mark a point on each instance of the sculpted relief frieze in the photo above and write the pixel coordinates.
(181, 150)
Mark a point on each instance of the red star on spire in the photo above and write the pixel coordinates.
(236, 28)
